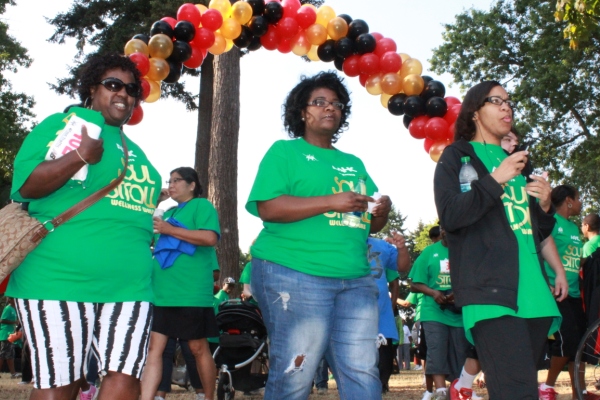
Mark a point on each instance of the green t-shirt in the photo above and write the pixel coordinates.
(9, 313)
(103, 254)
(417, 300)
(319, 245)
(433, 269)
(246, 274)
(590, 246)
(568, 244)
(189, 281)
(534, 299)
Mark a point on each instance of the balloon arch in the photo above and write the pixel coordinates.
(319, 34)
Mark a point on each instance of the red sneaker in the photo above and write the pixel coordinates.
(547, 394)
(462, 394)
(591, 396)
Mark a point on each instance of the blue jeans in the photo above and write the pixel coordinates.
(308, 317)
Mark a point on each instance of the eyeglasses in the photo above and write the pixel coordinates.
(115, 85)
(174, 180)
(498, 101)
(324, 103)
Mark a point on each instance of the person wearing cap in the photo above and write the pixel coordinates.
(223, 295)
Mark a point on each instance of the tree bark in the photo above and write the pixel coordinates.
(223, 159)
(205, 108)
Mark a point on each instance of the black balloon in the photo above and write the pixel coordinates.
(143, 37)
(258, 6)
(182, 51)
(357, 28)
(436, 107)
(414, 106)
(396, 104)
(407, 120)
(255, 44)
(184, 31)
(161, 27)
(174, 72)
(273, 12)
(244, 39)
(344, 47)
(326, 51)
(339, 63)
(433, 89)
(259, 26)
(346, 18)
(426, 79)
(365, 43)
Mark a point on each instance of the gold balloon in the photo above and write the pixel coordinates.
(241, 12)
(159, 69)
(413, 84)
(223, 6)
(316, 34)
(324, 15)
(136, 45)
(373, 85)
(154, 91)
(231, 29)
(404, 57)
(436, 149)
(409, 67)
(300, 44)
(384, 99)
(337, 28)
(312, 54)
(219, 45)
(228, 45)
(391, 83)
(160, 46)
(202, 8)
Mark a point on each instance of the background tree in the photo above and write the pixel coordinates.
(420, 237)
(519, 43)
(581, 16)
(16, 119)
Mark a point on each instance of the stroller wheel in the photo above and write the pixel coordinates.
(225, 390)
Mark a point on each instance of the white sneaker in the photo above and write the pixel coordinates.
(199, 396)
(418, 368)
(427, 395)
(159, 398)
(440, 395)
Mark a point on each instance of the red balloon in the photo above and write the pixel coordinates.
(378, 36)
(416, 128)
(211, 19)
(436, 128)
(384, 45)
(427, 144)
(284, 45)
(195, 59)
(450, 101)
(362, 78)
(350, 65)
(450, 135)
(290, 8)
(452, 113)
(390, 62)
(287, 27)
(189, 12)
(145, 89)
(270, 39)
(136, 115)
(369, 64)
(170, 20)
(204, 38)
(306, 16)
(141, 62)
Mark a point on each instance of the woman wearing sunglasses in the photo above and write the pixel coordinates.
(85, 291)
(494, 229)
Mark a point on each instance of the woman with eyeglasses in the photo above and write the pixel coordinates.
(85, 291)
(310, 272)
(182, 280)
(494, 229)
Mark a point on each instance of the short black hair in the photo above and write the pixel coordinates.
(297, 101)
(434, 232)
(474, 99)
(96, 65)
(190, 175)
(561, 192)
(593, 222)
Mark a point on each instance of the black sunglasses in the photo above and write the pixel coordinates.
(115, 85)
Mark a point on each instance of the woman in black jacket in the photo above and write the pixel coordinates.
(493, 232)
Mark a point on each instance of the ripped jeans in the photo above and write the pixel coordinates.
(310, 316)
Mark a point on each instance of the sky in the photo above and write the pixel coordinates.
(396, 162)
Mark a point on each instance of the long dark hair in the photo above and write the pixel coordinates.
(465, 125)
(190, 175)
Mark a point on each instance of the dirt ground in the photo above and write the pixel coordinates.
(406, 386)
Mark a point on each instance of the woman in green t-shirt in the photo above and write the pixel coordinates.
(182, 280)
(310, 272)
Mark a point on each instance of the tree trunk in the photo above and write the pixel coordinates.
(223, 162)
(205, 104)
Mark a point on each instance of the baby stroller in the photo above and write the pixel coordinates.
(241, 357)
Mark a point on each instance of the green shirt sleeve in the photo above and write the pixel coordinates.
(419, 273)
(391, 275)
(271, 180)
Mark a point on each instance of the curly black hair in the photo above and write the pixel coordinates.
(561, 192)
(96, 65)
(474, 100)
(297, 101)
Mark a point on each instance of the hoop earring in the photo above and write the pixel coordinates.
(88, 103)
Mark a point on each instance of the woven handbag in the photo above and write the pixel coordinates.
(20, 233)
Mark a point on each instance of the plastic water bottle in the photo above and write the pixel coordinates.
(353, 218)
(467, 174)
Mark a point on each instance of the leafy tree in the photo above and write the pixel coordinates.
(15, 108)
(420, 237)
(395, 223)
(557, 89)
(582, 17)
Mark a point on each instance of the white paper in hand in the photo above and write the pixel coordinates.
(69, 139)
(371, 205)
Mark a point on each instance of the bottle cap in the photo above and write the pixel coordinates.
(465, 159)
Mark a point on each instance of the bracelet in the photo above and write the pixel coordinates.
(82, 159)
